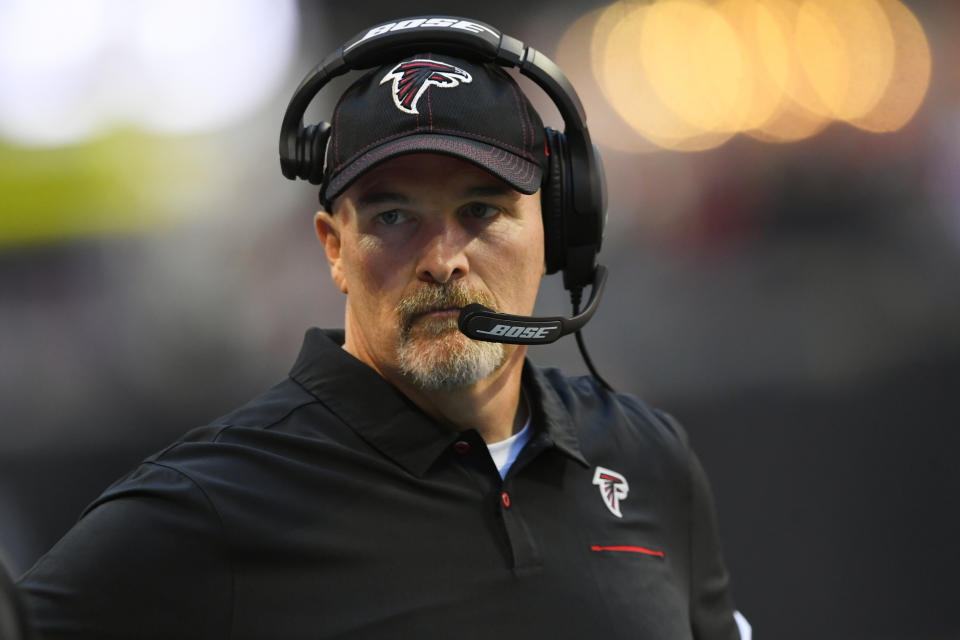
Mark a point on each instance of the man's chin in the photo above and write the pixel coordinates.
(440, 346)
(436, 356)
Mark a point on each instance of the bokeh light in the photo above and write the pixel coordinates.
(687, 75)
(763, 38)
(695, 63)
(909, 77)
(607, 128)
(846, 49)
(649, 102)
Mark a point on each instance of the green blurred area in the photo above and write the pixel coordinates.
(124, 182)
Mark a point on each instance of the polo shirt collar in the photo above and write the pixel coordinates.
(557, 427)
(389, 422)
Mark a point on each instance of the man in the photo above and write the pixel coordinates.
(406, 481)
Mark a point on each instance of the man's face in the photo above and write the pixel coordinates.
(412, 242)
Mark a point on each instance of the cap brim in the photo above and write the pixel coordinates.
(523, 175)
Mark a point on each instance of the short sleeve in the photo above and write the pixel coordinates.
(146, 560)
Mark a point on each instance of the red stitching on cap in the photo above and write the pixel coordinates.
(429, 109)
(533, 137)
(524, 112)
(523, 127)
(429, 103)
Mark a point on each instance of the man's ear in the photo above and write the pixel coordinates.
(329, 235)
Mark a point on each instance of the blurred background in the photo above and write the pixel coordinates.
(783, 239)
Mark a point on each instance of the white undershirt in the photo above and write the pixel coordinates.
(746, 631)
(506, 451)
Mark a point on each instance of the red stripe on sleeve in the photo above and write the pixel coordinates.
(649, 552)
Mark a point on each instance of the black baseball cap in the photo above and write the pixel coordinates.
(430, 103)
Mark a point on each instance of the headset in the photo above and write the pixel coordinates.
(573, 193)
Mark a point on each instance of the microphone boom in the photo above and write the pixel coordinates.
(480, 323)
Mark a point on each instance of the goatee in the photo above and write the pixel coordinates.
(432, 353)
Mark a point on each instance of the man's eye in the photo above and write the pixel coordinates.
(394, 216)
(480, 210)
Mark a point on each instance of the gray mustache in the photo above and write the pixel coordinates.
(436, 297)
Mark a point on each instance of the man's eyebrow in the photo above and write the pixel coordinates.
(380, 197)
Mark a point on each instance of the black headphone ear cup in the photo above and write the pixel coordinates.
(552, 196)
(314, 148)
(304, 147)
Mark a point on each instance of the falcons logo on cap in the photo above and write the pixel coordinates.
(411, 79)
(613, 489)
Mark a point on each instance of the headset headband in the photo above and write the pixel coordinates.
(462, 38)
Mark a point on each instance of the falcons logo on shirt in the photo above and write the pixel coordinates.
(613, 488)
(411, 79)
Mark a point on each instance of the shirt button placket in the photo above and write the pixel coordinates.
(526, 555)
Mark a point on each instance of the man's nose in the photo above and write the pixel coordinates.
(443, 258)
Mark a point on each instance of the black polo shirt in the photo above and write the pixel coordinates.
(332, 507)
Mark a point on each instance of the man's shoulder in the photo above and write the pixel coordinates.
(279, 430)
(273, 409)
(270, 409)
(285, 418)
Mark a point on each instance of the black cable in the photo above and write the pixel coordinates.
(576, 294)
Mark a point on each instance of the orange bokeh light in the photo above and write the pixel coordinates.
(688, 74)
